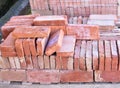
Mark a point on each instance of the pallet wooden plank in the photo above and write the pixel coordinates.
(47, 62)
(12, 63)
(58, 62)
(23, 63)
(52, 62)
(41, 62)
(17, 62)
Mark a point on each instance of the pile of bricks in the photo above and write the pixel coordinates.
(74, 7)
(52, 51)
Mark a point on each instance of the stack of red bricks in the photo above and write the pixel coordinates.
(75, 8)
(43, 51)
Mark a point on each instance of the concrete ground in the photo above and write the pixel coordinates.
(89, 85)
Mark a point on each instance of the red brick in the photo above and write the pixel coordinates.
(56, 28)
(41, 62)
(43, 76)
(64, 63)
(95, 55)
(54, 43)
(35, 62)
(101, 56)
(67, 48)
(22, 63)
(82, 59)
(8, 45)
(47, 62)
(108, 59)
(50, 21)
(83, 31)
(9, 75)
(8, 54)
(118, 45)
(89, 55)
(114, 56)
(41, 44)
(76, 76)
(52, 62)
(25, 17)
(58, 63)
(32, 45)
(19, 47)
(29, 63)
(26, 47)
(107, 76)
(77, 55)
(31, 32)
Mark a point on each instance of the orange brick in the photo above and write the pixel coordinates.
(43, 76)
(76, 76)
(31, 32)
(41, 44)
(9, 75)
(50, 21)
(19, 47)
(54, 43)
(83, 31)
(68, 45)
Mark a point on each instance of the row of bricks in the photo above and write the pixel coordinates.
(74, 8)
(59, 76)
(100, 55)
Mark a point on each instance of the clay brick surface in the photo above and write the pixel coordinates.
(108, 60)
(31, 32)
(89, 55)
(29, 63)
(95, 55)
(8, 54)
(82, 59)
(26, 47)
(107, 76)
(58, 62)
(43, 76)
(76, 76)
(22, 63)
(41, 44)
(32, 45)
(41, 62)
(67, 48)
(77, 55)
(50, 21)
(54, 43)
(101, 56)
(114, 55)
(8, 45)
(9, 75)
(19, 47)
(83, 31)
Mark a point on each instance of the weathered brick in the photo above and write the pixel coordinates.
(95, 55)
(82, 59)
(19, 47)
(31, 32)
(114, 55)
(108, 60)
(67, 48)
(10, 75)
(32, 45)
(54, 43)
(41, 44)
(43, 76)
(101, 56)
(83, 31)
(76, 76)
(107, 76)
(8, 54)
(50, 21)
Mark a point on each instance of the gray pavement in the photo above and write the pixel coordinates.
(89, 85)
